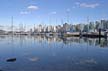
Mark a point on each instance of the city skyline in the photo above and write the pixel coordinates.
(52, 12)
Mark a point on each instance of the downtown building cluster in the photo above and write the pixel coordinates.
(64, 28)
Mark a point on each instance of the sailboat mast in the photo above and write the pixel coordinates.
(12, 24)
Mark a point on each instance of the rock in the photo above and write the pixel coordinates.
(11, 60)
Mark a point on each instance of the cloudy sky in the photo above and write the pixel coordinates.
(32, 12)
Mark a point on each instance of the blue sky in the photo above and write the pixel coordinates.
(32, 12)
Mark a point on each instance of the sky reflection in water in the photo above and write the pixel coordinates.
(53, 54)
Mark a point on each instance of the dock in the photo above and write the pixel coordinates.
(86, 34)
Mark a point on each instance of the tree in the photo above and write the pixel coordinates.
(91, 26)
(85, 28)
(97, 25)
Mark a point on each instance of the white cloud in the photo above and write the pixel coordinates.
(87, 5)
(29, 9)
(33, 7)
(24, 12)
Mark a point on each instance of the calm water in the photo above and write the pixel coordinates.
(41, 53)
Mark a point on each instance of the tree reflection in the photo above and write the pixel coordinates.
(103, 42)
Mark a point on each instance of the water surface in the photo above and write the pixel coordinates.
(40, 53)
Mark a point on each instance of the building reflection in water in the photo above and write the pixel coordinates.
(42, 51)
(103, 42)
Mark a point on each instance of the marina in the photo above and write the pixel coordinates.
(53, 35)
